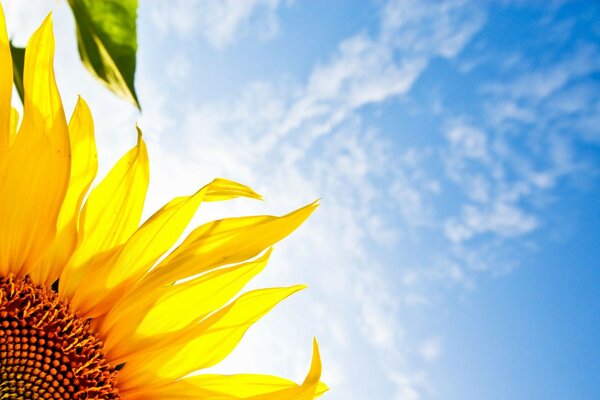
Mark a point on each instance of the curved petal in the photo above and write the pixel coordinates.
(163, 229)
(34, 176)
(263, 387)
(237, 387)
(84, 165)
(139, 321)
(222, 242)
(110, 215)
(224, 189)
(6, 84)
(206, 343)
(147, 244)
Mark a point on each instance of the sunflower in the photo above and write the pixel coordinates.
(90, 305)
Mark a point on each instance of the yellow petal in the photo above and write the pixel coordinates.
(35, 173)
(157, 235)
(314, 374)
(206, 343)
(84, 165)
(224, 189)
(114, 208)
(6, 83)
(156, 389)
(14, 124)
(198, 297)
(224, 242)
(242, 386)
(164, 228)
(138, 319)
(84, 162)
(110, 215)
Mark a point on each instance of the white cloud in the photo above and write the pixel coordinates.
(431, 28)
(431, 349)
(541, 82)
(468, 142)
(526, 143)
(297, 141)
(410, 386)
(552, 98)
(220, 22)
(493, 200)
(178, 69)
(503, 219)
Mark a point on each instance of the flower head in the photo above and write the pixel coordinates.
(90, 306)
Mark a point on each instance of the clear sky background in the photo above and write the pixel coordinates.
(455, 146)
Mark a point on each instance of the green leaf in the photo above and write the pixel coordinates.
(18, 61)
(107, 41)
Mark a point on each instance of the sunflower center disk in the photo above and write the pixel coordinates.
(46, 351)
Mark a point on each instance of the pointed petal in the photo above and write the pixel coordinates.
(224, 242)
(199, 297)
(6, 84)
(110, 215)
(206, 343)
(84, 165)
(84, 162)
(241, 386)
(138, 320)
(35, 173)
(114, 208)
(164, 228)
(224, 189)
(140, 252)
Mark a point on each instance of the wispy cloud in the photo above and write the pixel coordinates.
(508, 156)
(220, 22)
(300, 140)
(431, 349)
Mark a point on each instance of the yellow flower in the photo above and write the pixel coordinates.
(89, 307)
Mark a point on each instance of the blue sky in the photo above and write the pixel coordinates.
(456, 149)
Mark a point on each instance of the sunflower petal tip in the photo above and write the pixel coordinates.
(314, 373)
(141, 144)
(48, 22)
(44, 34)
(81, 102)
(256, 196)
(321, 389)
(225, 189)
(316, 352)
(297, 288)
(291, 290)
(308, 209)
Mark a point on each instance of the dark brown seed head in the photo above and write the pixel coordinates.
(46, 351)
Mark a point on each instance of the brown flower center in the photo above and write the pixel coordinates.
(46, 351)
